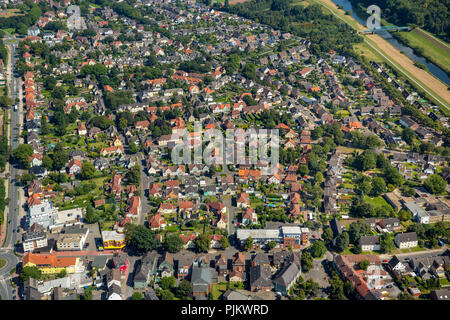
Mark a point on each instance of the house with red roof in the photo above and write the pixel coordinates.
(133, 208)
(157, 222)
(243, 201)
(74, 167)
(249, 216)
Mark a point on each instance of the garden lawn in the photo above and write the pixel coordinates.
(217, 290)
(444, 282)
(376, 202)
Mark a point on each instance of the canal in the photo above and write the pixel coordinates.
(432, 68)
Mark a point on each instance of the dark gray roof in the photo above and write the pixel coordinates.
(335, 227)
(201, 278)
(441, 294)
(114, 288)
(146, 265)
(259, 276)
(150, 295)
(393, 262)
(185, 259)
(99, 261)
(287, 275)
(260, 258)
(279, 256)
(369, 240)
(406, 237)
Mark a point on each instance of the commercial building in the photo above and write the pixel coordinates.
(113, 240)
(52, 264)
(32, 240)
(72, 238)
(284, 236)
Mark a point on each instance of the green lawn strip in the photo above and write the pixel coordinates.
(427, 48)
(2, 263)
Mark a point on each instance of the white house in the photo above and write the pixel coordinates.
(370, 243)
(406, 240)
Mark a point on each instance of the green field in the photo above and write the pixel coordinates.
(2, 263)
(364, 50)
(433, 50)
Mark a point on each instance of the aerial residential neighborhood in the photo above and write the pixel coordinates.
(97, 98)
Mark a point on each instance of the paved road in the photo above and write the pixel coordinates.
(408, 254)
(13, 219)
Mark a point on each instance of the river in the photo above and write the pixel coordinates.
(432, 68)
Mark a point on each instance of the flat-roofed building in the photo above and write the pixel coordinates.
(419, 214)
(113, 240)
(34, 240)
(72, 239)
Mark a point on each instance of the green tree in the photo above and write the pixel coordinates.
(303, 170)
(318, 177)
(140, 238)
(408, 135)
(224, 242)
(378, 186)
(22, 154)
(364, 264)
(166, 295)
(318, 249)
(342, 241)
(30, 272)
(60, 157)
(404, 215)
(337, 288)
(58, 93)
(435, 184)
(349, 288)
(327, 235)
(87, 170)
(87, 295)
(184, 289)
(357, 230)
(405, 296)
(386, 243)
(47, 162)
(307, 261)
(136, 296)
(173, 243)
(91, 216)
(301, 294)
(134, 175)
(271, 245)
(167, 283)
(202, 242)
(248, 243)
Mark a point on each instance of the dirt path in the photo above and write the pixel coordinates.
(393, 55)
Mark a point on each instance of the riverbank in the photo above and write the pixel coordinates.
(427, 46)
(436, 90)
